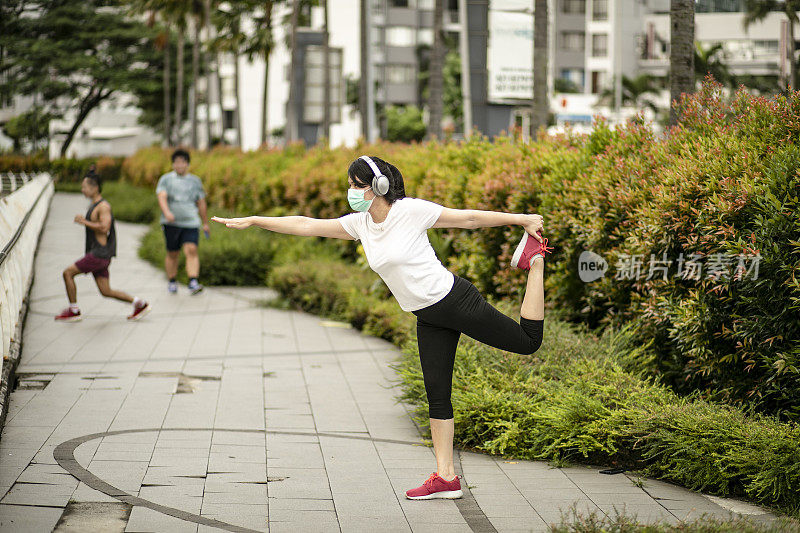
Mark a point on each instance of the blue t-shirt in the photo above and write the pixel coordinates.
(183, 192)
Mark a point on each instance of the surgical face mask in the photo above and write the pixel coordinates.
(355, 197)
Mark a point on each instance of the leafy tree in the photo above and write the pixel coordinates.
(564, 85)
(709, 61)
(405, 124)
(436, 81)
(73, 55)
(29, 127)
(453, 99)
(634, 91)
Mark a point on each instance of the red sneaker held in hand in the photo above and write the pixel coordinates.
(527, 249)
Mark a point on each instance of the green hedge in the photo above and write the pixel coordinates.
(724, 182)
(62, 170)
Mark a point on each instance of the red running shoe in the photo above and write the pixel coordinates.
(140, 311)
(527, 249)
(436, 487)
(68, 315)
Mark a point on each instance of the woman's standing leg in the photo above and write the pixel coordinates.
(437, 351)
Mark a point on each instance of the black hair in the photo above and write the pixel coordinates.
(361, 174)
(95, 179)
(180, 152)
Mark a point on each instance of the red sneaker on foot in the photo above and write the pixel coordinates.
(139, 312)
(436, 487)
(527, 248)
(68, 315)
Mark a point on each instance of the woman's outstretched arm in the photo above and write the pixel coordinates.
(474, 218)
(292, 225)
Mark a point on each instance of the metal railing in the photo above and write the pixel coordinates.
(11, 182)
(22, 215)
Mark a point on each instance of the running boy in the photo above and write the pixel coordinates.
(101, 246)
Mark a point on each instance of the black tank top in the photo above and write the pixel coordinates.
(93, 246)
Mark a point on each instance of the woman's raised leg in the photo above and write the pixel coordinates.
(533, 302)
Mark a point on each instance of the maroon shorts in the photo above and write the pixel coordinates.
(97, 266)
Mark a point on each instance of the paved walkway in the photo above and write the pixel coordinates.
(216, 414)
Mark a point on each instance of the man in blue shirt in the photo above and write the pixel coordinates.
(183, 210)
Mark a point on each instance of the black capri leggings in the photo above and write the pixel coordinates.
(464, 310)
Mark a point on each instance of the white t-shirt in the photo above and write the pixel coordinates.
(399, 251)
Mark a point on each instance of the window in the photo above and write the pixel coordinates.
(575, 7)
(377, 36)
(573, 40)
(227, 119)
(400, 74)
(718, 6)
(598, 81)
(398, 3)
(573, 75)
(600, 10)
(425, 36)
(600, 45)
(400, 36)
(765, 47)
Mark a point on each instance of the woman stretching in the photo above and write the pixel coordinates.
(393, 231)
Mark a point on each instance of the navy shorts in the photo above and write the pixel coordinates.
(176, 236)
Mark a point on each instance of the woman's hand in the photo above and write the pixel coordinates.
(532, 224)
(235, 223)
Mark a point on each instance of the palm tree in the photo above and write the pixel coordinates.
(709, 61)
(436, 84)
(291, 116)
(540, 58)
(231, 39)
(326, 76)
(633, 92)
(757, 10)
(681, 56)
(167, 11)
(198, 13)
(261, 44)
(207, 62)
(179, 82)
(164, 40)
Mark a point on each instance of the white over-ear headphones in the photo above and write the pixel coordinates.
(380, 183)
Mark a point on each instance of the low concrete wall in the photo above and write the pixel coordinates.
(16, 268)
